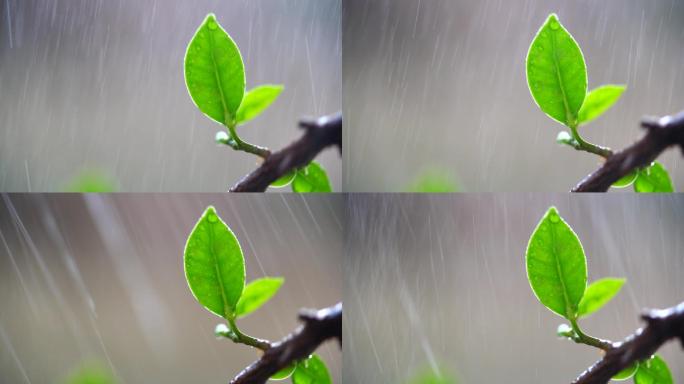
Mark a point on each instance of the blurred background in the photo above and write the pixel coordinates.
(440, 280)
(100, 278)
(95, 86)
(441, 84)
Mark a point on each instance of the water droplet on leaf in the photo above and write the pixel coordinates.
(553, 216)
(212, 217)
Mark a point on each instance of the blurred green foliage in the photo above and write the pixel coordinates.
(433, 181)
(90, 373)
(91, 180)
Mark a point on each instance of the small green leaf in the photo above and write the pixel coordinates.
(311, 371)
(653, 371)
(653, 179)
(556, 72)
(311, 178)
(284, 180)
(214, 265)
(284, 373)
(626, 373)
(214, 72)
(256, 101)
(598, 101)
(598, 294)
(626, 180)
(257, 293)
(556, 265)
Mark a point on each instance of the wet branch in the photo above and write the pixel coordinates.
(318, 326)
(661, 134)
(319, 134)
(661, 326)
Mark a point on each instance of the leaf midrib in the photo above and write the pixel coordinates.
(218, 76)
(559, 270)
(568, 114)
(216, 268)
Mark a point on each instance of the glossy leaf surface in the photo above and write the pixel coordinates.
(214, 265)
(556, 265)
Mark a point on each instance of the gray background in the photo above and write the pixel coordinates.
(441, 84)
(100, 277)
(441, 279)
(95, 84)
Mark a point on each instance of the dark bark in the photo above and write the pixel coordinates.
(661, 134)
(318, 326)
(319, 134)
(661, 326)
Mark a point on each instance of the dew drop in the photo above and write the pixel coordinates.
(554, 25)
(212, 217)
(553, 216)
(212, 25)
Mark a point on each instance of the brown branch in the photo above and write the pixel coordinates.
(319, 134)
(661, 134)
(661, 326)
(318, 327)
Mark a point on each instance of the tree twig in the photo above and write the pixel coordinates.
(661, 134)
(318, 326)
(661, 326)
(319, 134)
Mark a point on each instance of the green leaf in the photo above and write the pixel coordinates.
(214, 72)
(556, 265)
(653, 371)
(284, 373)
(311, 371)
(284, 180)
(626, 373)
(598, 294)
(653, 179)
(311, 178)
(626, 180)
(256, 101)
(214, 265)
(598, 101)
(256, 294)
(556, 72)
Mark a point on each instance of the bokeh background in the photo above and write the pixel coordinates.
(441, 84)
(98, 85)
(100, 278)
(440, 280)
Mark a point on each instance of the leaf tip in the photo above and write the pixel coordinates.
(552, 211)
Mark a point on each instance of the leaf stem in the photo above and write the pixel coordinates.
(246, 339)
(241, 145)
(583, 338)
(583, 145)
